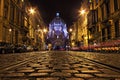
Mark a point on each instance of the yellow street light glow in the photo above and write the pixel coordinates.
(32, 11)
(45, 30)
(22, 0)
(82, 12)
(10, 30)
(70, 30)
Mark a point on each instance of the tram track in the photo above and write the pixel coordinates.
(21, 62)
(100, 63)
(32, 58)
(16, 64)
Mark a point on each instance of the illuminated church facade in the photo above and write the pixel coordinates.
(58, 34)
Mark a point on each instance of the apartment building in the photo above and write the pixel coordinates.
(104, 21)
(14, 21)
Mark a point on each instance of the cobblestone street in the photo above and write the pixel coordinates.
(53, 65)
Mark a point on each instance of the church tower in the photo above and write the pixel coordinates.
(58, 33)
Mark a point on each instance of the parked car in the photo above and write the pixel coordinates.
(6, 47)
(9, 48)
(20, 48)
(2, 47)
(35, 48)
(67, 47)
(75, 48)
(29, 48)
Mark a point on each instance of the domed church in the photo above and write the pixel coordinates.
(58, 34)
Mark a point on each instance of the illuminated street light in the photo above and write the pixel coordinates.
(82, 12)
(32, 11)
(22, 0)
(70, 29)
(10, 30)
(45, 30)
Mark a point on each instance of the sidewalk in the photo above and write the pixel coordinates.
(112, 59)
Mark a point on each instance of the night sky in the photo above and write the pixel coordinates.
(68, 9)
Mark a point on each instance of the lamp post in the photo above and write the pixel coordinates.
(44, 37)
(70, 34)
(84, 13)
(10, 30)
(32, 11)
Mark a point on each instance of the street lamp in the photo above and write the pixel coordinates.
(44, 30)
(10, 30)
(82, 12)
(32, 11)
(70, 30)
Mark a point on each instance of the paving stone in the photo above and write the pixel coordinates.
(60, 67)
(81, 69)
(13, 79)
(107, 71)
(41, 68)
(83, 75)
(38, 74)
(26, 70)
(60, 74)
(90, 71)
(1, 74)
(14, 75)
(70, 71)
(74, 79)
(107, 75)
(65, 65)
(45, 71)
(99, 79)
(47, 79)
(76, 65)
(35, 65)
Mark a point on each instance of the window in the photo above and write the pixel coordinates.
(11, 13)
(108, 8)
(115, 5)
(103, 34)
(117, 30)
(17, 16)
(5, 32)
(102, 11)
(96, 1)
(109, 32)
(96, 15)
(6, 9)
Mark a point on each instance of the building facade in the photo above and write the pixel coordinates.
(18, 26)
(58, 33)
(99, 26)
(14, 22)
(80, 32)
(104, 21)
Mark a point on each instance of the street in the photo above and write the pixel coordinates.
(58, 65)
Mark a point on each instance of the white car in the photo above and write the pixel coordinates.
(29, 48)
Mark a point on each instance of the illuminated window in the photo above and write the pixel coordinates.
(90, 1)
